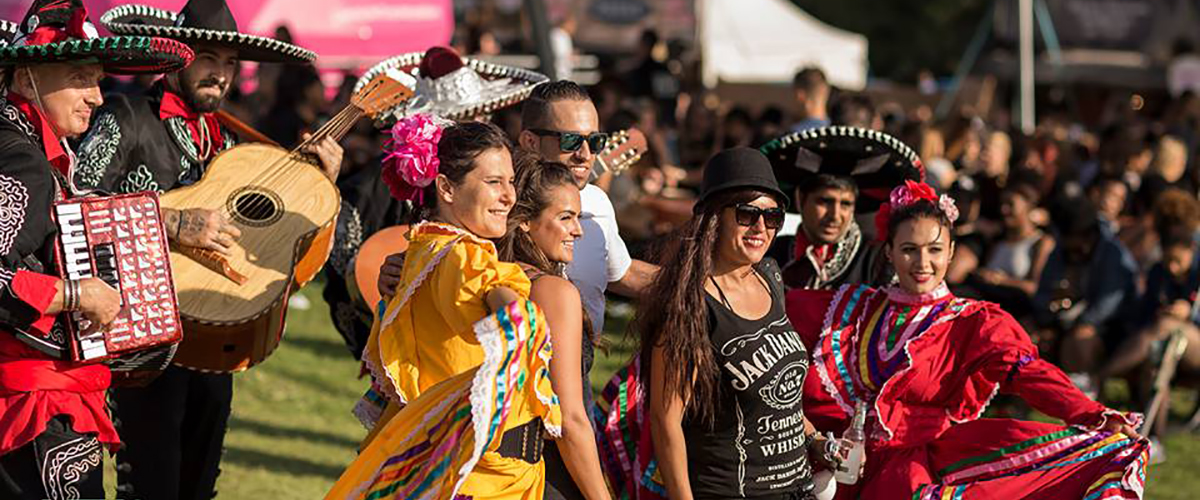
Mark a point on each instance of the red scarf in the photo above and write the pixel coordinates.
(174, 106)
(820, 252)
(51, 145)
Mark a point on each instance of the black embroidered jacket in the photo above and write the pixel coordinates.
(130, 149)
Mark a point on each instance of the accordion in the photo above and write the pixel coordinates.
(120, 240)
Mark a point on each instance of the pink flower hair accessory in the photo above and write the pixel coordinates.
(410, 163)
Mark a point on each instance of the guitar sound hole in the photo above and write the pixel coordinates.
(255, 207)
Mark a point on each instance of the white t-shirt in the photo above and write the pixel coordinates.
(600, 256)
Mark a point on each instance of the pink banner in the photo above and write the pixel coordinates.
(344, 33)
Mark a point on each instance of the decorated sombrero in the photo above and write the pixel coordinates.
(454, 87)
(58, 31)
(875, 161)
(202, 21)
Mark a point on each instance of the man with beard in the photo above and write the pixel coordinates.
(174, 426)
(837, 172)
(53, 420)
(560, 123)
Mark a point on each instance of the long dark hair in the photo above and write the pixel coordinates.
(458, 148)
(536, 178)
(678, 321)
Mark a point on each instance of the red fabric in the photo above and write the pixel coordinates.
(34, 388)
(953, 369)
(37, 290)
(50, 142)
(820, 252)
(439, 61)
(174, 106)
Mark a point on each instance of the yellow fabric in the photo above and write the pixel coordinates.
(429, 338)
(442, 444)
(429, 334)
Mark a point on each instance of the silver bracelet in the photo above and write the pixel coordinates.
(71, 295)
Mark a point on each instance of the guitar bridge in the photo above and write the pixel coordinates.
(216, 262)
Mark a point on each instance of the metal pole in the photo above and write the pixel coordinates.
(540, 26)
(966, 63)
(1026, 45)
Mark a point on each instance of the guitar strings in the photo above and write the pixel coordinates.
(335, 127)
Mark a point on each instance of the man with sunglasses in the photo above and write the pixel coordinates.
(560, 123)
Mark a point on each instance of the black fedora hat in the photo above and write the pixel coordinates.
(875, 161)
(202, 21)
(58, 31)
(739, 168)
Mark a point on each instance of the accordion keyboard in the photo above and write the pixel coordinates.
(120, 240)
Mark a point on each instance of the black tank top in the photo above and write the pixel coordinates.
(756, 447)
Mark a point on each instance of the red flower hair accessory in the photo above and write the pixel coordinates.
(411, 163)
(906, 194)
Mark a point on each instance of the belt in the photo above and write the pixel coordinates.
(524, 442)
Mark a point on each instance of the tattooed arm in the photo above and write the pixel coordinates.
(201, 228)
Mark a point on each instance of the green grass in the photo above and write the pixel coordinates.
(291, 433)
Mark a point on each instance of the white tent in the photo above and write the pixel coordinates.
(767, 41)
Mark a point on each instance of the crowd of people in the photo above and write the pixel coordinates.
(791, 269)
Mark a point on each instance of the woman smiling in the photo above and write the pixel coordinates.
(543, 228)
(926, 364)
(718, 373)
(461, 393)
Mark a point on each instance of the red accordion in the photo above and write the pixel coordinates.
(120, 240)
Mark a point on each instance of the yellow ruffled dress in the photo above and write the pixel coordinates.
(450, 379)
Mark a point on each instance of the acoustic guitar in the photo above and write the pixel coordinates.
(233, 308)
(624, 149)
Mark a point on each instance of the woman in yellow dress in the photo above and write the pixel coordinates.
(459, 356)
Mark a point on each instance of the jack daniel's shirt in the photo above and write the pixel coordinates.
(757, 446)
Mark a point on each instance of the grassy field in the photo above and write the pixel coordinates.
(292, 433)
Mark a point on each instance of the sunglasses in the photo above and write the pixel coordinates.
(570, 142)
(747, 215)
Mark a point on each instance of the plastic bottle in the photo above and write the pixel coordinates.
(856, 438)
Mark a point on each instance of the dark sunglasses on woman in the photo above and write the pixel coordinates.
(570, 142)
(747, 215)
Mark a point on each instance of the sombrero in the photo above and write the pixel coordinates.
(58, 31)
(875, 161)
(202, 21)
(454, 87)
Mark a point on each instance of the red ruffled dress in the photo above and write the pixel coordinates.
(928, 366)
(34, 387)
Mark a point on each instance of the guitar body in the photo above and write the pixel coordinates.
(371, 254)
(234, 319)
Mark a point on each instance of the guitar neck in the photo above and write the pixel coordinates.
(337, 127)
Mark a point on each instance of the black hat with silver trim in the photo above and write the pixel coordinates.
(202, 22)
(875, 161)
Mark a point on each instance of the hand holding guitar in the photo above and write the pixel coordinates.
(201, 228)
(329, 152)
(389, 275)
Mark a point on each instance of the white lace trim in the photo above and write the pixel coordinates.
(483, 392)
(818, 350)
(1131, 419)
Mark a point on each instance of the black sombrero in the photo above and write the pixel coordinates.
(202, 21)
(877, 162)
(58, 31)
(451, 86)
